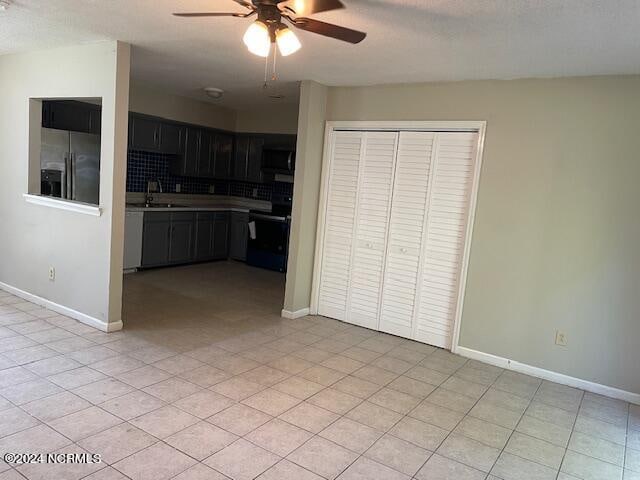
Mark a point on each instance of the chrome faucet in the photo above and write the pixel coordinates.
(148, 198)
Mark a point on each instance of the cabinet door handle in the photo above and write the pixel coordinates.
(403, 250)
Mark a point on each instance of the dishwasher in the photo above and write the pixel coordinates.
(133, 225)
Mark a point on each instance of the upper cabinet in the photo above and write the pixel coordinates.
(151, 134)
(224, 154)
(207, 154)
(144, 133)
(203, 152)
(171, 138)
(72, 115)
(247, 161)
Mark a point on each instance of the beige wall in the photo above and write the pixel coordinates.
(143, 99)
(274, 119)
(263, 119)
(306, 192)
(86, 251)
(555, 242)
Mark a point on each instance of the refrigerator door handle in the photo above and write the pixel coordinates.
(69, 170)
(72, 175)
(63, 179)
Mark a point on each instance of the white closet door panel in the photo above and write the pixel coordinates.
(406, 227)
(449, 202)
(374, 196)
(339, 224)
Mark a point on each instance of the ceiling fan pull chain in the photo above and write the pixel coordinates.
(266, 71)
(274, 77)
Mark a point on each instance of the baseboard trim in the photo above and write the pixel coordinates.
(549, 375)
(303, 312)
(69, 312)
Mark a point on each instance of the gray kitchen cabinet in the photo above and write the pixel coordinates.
(143, 133)
(71, 115)
(254, 160)
(247, 162)
(221, 236)
(204, 236)
(95, 120)
(171, 138)
(197, 151)
(151, 134)
(224, 152)
(187, 164)
(241, 152)
(239, 233)
(167, 238)
(156, 238)
(182, 232)
(206, 154)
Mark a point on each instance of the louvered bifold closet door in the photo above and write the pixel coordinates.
(372, 219)
(448, 213)
(339, 227)
(406, 228)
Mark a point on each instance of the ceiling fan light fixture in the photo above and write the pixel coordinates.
(287, 41)
(257, 39)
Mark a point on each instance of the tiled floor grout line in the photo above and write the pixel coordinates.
(573, 426)
(465, 415)
(452, 430)
(524, 412)
(626, 442)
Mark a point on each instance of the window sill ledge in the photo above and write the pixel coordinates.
(61, 204)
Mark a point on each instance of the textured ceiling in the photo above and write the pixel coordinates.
(408, 41)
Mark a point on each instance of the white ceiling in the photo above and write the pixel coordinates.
(408, 41)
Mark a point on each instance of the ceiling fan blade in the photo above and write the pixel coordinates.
(328, 29)
(214, 14)
(244, 3)
(309, 7)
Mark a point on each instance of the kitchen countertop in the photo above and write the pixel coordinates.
(184, 208)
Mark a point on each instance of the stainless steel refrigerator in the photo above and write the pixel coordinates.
(77, 156)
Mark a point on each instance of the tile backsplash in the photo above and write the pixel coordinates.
(145, 166)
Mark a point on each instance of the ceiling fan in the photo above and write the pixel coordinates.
(270, 27)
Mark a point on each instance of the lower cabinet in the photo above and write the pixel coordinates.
(156, 238)
(221, 236)
(183, 237)
(239, 233)
(204, 236)
(212, 236)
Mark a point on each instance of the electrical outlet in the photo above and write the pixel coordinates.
(178, 188)
(561, 338)
(212, 189)
(255, 193)
(52, 273)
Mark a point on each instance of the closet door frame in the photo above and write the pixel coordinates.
(478, 127)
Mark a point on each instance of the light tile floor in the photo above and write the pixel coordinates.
(206, 381)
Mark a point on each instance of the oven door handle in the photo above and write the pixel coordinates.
(272, 218)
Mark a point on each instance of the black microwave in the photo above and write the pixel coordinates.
(278, 160)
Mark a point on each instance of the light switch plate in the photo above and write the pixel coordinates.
(561, 338)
